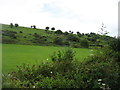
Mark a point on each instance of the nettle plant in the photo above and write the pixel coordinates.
(63, 60)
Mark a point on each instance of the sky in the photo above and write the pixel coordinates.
(84, 16)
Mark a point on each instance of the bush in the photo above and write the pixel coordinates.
(58, 41)
(84, 43)
(53, 28)
(16, 25)
(115, 44)
(102, 67)
(73, 38)
(11, 25)
(8, 33)
(47, 28)
(8, 40)
(67, 55)
(58, 32)
(21, 32)
(98, 71)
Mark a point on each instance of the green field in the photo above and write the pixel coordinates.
(13, 55)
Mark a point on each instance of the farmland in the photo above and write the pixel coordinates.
(18, 54)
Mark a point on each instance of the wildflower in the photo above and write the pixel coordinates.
(99, 83)
(47, 59)
(33, 86)
(91, 54)
(51, 72)
(103, 84)
(9, 75)
(99, 80)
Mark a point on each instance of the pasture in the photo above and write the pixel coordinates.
(13, 55)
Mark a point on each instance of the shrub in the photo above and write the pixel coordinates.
(63, 61)
(47, 28)
(66, 33)
(16, 25)
(58, 41)
(8, 33)
(58, 32)
(84, 43)
(34, 26)
(11, 25)
(67, 55)
(66, 43)
(115, 44)
(21, 32)
(72, 37)
(53, 28)
(97, 71)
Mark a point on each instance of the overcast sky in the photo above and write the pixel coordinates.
(76, 15)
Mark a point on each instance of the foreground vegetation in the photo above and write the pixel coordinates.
(101, 70)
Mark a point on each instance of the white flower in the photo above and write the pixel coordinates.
(9, 75)
(99, 80)
(103, 84)
(33, 86)
(91, 54)
(98, 83)
(50, 72)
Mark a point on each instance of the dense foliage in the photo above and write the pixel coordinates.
(34, 36)
(97, 71)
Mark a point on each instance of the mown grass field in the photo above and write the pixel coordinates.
(13, 55)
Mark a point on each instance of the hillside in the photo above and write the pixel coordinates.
(55, 66)
(31, 36)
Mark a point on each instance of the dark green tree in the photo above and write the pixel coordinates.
(16, 25)
(34, 26)
(58, 32)
(66, 33)
(72, 37)
(11, 25)
(79, 34)
(53, 28)
(47, 28)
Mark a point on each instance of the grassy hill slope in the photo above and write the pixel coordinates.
(31, 36)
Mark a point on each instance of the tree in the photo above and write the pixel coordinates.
(11, 25)
(72, 37)
(70, 31)
(16, 25)
(66, 33)
(58, 32)
(34, 26)
(82, 34)
(47, 28)
(79, 34)
(53, 28)
(31, 26)
(103, 32)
